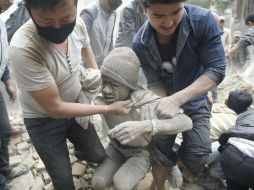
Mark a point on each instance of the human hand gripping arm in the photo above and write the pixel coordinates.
(169, 106)
(130, 130)
(51, 102)
(126, 132)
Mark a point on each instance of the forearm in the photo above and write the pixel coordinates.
(201, 86)
(175, 125)
(7, 83)
(69, 110)
(89, 58)
(235, 48)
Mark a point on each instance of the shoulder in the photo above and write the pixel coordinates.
(203, 23)
(200, 18)
(80, 25)
(91, 11)
(142, 96)
(196, 13)
(26, 39)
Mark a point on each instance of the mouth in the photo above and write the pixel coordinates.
(109, 98)
(167, 29)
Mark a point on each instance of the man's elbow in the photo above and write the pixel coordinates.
(55, 112)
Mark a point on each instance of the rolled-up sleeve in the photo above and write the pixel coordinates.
(211, 52)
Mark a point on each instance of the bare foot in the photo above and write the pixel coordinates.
(176, 177)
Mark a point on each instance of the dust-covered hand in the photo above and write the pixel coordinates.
(129, 131)
(168, 107)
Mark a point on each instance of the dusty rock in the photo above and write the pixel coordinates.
(78, 169)
(39, 166)
(38, 185)
(16, 140)
(46, 177)
(23, 146)
(16, 160)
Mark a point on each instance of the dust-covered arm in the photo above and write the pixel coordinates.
(130, 130)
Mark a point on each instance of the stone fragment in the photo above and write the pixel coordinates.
(78, 169)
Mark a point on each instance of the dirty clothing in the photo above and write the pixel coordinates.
(248, 38)
(124, 156)
(125, 166)
(130, 163)
(37, 65)
(100, 25)
(237, 150)
(198, 51)
(131, 19)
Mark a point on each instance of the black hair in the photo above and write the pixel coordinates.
(249, 18)
(45, 4)
(147, 3)
(239, 101)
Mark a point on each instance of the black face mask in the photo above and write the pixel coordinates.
(114, 4)
(56, 35)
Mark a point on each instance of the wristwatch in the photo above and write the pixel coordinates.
(154, 128)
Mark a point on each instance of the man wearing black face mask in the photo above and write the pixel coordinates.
(46, 55)
(99, 17)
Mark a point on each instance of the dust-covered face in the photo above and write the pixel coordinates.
(113, 91)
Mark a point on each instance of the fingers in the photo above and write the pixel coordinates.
(125, 142)
(115, 132)
(123, 138)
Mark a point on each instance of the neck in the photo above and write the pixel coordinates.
(163, 39)
(63, 47)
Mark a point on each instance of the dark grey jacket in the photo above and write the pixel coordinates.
(244, 128)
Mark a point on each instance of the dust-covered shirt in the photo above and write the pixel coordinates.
(37, 64)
